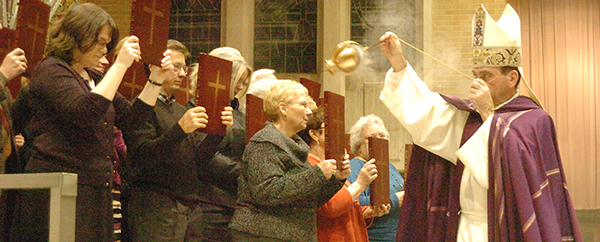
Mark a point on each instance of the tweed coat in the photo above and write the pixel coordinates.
(278, 189)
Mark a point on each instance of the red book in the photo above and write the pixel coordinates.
(333, 105)
(150, 23)
(314, 88)
(255, 116)
(134, 81)
(8, 44)
(212, 91)
(32, 28)
(380, 188)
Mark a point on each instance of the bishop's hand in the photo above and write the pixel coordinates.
(391, 48)
(481, 97)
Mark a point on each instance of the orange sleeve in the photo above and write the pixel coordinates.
(339, 204)
(368, 221)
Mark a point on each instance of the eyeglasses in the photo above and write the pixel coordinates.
(304, 104)
(177, 68)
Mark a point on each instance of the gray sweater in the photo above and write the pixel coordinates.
(279, 191)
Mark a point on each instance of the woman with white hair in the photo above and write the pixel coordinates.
(279, 190)
(384, 228)
(262, 74)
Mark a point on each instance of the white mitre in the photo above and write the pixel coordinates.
(498, 43)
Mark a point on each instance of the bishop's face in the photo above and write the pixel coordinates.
(173, 82)
(502, 87)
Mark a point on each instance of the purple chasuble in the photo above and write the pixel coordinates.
(431, 201)
(527, 195)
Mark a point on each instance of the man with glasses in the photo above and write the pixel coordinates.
(161, 184)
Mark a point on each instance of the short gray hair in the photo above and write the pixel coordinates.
(358, 128)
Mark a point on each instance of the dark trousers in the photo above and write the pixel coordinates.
(153, 216)
(215, 222)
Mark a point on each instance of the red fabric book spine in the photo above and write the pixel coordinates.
(212, 92)
(255, 116)
(333, 105)
(150, 23)
(380, 188)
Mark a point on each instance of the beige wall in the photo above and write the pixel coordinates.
(447, 36)
(120, 11)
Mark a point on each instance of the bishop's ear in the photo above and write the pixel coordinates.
(514, 78)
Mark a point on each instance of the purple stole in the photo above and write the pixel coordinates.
(527, 198)
(531, 203)
(431, 203)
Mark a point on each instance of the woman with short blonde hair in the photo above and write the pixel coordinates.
(279, 190)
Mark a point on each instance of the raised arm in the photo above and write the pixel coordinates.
(433, 123)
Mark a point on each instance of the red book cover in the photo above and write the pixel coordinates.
(333, 105)
(150, 23)
(380, 188)
(134, 81)
(212, 91)
(32, 28)
(7, 44)
(314, 88)
(255, 116)
(7, 41)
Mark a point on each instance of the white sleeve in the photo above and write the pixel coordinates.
(434, 124)
(474, 154)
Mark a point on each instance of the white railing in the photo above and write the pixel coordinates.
(63, 193)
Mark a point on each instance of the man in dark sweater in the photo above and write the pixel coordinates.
(161, 180)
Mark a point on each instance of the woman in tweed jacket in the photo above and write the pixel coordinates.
(279, 191)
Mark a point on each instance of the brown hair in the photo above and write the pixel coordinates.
(79, 29)
(314, 123)
(175, 45)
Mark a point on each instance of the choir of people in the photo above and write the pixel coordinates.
(180, 184)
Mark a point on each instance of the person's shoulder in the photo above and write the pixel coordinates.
(356, 162)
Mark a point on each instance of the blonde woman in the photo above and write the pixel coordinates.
(279, 190)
